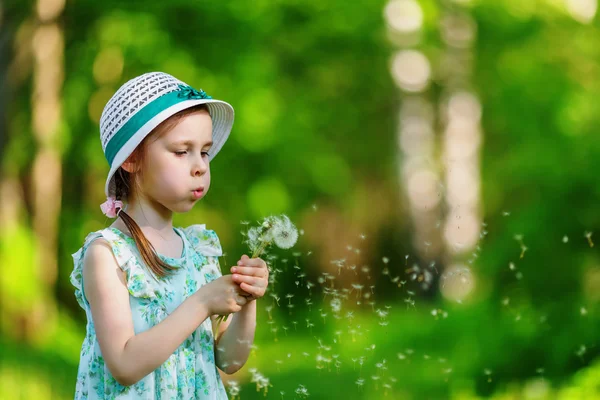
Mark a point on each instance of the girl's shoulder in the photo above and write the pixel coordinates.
(204, 241)
(124, 257)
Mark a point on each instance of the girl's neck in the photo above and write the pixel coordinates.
(153, 221)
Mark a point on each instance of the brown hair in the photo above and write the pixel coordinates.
(124, 190)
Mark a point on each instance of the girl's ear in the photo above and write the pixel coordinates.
(130, 165)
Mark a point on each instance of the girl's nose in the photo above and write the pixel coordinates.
(200, 166)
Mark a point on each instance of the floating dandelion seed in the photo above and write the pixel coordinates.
(261, 381)
(581, 351)
(488, 372)
(336, 305)
(505, 213)
(519, 275)
(519, 238)
(583, 311)
(565, 239)
(588, 236)
(302, 391)
(233, 388)
(275, 297)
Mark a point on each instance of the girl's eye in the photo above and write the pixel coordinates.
(180, 153)
(206, 152)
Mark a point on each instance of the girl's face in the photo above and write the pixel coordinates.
(176, 163)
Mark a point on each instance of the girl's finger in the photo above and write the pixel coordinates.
(240, 300)
(254, 291)
(257, 262)
(250, 280)
(248, 271)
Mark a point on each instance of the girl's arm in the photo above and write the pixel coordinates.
(130, 357)
(234, 339)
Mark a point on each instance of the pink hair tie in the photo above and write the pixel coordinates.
(109, 207)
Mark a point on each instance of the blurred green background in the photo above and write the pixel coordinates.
(381, 128)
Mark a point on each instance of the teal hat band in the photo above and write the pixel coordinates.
(148, 112)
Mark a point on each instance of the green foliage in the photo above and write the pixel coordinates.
(316, 114)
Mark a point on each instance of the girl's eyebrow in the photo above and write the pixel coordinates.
(191, 143)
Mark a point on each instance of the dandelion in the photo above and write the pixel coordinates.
(565, 239)
(273, 229)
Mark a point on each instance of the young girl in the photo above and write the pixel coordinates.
(151, 291)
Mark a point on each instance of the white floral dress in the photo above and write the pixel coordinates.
(190, 372)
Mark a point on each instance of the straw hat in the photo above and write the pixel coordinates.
(141, 104)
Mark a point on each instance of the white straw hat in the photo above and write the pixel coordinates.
(141, 104)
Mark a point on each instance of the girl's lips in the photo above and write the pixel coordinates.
(197, 193)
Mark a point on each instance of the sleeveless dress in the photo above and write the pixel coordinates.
(190, 372)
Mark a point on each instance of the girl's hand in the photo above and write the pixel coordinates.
(252, 275)
(222, 296)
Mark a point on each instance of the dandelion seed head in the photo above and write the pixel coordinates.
(284, 233)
